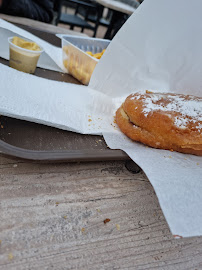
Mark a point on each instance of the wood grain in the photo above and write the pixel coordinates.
(40, 25)
(52, 217)
(117, 5)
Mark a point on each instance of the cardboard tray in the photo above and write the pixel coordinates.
(38, 142)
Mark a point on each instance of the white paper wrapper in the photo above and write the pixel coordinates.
(157, 49)
(66, 106)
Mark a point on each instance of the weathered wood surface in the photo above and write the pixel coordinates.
(40, 25)
(117, 5)
(52, 218)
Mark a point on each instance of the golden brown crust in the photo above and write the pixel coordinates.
(165, 121)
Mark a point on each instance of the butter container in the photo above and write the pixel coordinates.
(23, 59)
(75, 59)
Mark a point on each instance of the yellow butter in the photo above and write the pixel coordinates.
(21, 59)
(20, 42)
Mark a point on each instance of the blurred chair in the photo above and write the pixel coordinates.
(84, 12)
(132, 3)
(92, 17)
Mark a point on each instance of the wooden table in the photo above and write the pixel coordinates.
(39, 25)
(95, 215)
(119, 10)
(117, 6)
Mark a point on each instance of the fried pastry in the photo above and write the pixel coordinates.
(163, 120)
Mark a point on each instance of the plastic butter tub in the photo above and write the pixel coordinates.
(23, 59)
(75, 59)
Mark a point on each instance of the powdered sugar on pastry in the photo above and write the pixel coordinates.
(188, 107)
